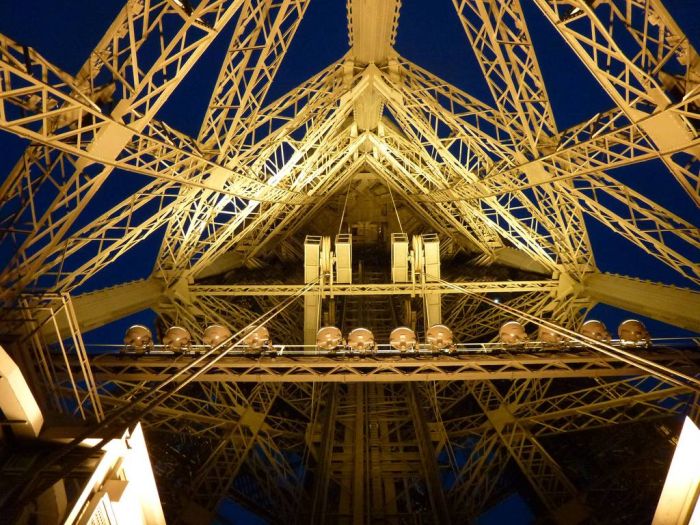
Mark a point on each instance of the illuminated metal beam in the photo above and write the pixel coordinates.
(444, 368)
(55, 101)
(603, 404)
(643, 60)
(563, 224)
(245, 290)
(322, 472)
(487, 458)
(262, 35)
(101, 307)
(300, 167)
(372, 27)
(500, 38)
(428, 458)
(670, 304)
(556, 491)
(637, 218)
(485, 464)
(214, 478)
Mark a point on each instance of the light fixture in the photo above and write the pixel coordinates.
(548, 337)
(361, 340)
(402, 339)
(329, 338)
(177, 339)
(215, 334)
(138, 338)
(512, 333)
(257, 338)
(439, 337)
(595, 330)
(632, 332)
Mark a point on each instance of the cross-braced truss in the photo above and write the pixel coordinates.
(318, 439)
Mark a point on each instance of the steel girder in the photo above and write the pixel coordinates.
(473, 366)
(485, 176)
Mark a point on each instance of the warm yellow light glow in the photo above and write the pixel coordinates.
(679, 499)
(16, 400)
(121, 489)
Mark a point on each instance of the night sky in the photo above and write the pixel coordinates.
(429, 34)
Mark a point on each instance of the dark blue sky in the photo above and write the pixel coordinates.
(429, 34)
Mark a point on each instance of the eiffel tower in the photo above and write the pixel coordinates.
(373, 195)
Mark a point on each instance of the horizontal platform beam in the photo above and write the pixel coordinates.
(669, 304)
(390, 369)
(227, 290)
(101, 307)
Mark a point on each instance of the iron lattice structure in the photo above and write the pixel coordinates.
(323, 439)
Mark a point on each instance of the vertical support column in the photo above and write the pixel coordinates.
(399, 258)
(312, 317)
(400, 272)
(343, 258)
(344, 466)
(322, 474)
(431, 273)
(312, 301)
(319, 260)
(358, 479)
(377, 432)
(385, 447)
(428, 458)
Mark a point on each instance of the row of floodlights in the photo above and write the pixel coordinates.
(437, 338)
(138, 338)
(631, 332)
